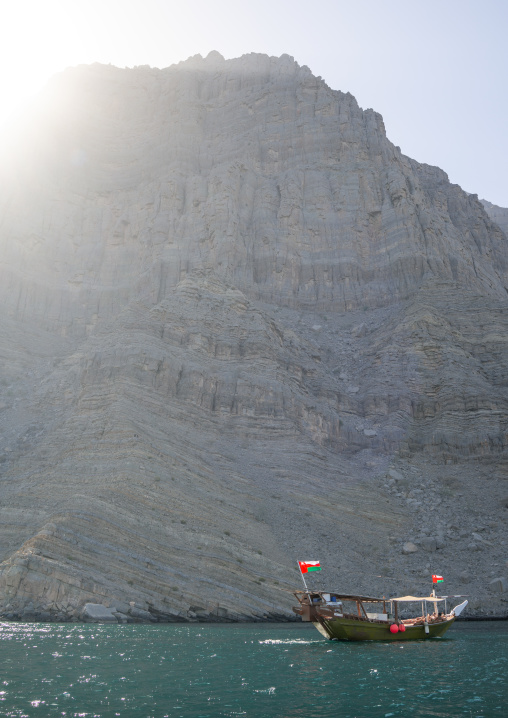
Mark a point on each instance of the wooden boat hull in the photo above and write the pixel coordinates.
(344, 629)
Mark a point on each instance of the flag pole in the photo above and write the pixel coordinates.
(301, 574)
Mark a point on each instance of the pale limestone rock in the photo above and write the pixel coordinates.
(409, 547)
(499, 585)
(96, 612)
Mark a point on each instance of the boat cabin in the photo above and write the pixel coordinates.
(367, 608)
(342, 605)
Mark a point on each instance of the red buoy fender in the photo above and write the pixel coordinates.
(394, 628)
(402, 627)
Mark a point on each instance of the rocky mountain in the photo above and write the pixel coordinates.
(498, 214)
(240, 328)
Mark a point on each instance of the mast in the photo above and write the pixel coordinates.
(301, 574)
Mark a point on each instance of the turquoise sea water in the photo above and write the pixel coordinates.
(279, 670)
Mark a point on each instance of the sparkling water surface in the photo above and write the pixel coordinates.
(253, 670)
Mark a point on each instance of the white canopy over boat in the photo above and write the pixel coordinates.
(416, 598)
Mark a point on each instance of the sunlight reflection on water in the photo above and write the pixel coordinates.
(282, 670)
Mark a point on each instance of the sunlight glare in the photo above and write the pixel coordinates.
(36, 41)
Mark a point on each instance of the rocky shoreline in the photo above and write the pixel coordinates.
(98, 613)
(122, 614)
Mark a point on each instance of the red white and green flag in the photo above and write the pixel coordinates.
(307, 566)
(437, 579)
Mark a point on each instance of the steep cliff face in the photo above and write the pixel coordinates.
(240, 328)
(499, 215)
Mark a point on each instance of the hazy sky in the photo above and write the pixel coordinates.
(435, 69)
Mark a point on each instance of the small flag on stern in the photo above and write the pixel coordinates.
(306, 566)
(437, 579)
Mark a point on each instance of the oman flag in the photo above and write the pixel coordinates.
(306, 566)
(437, 579)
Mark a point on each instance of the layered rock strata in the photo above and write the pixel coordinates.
(241, 328)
